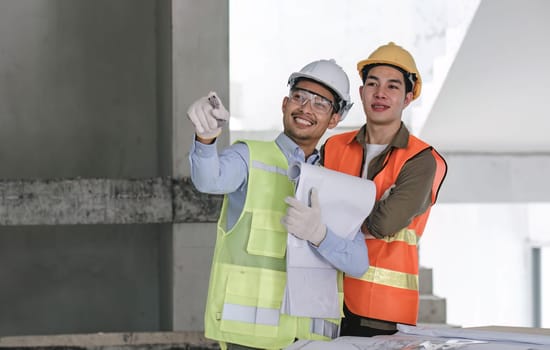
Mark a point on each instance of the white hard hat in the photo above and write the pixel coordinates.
(330, 74)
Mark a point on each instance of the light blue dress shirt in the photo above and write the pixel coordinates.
(227, 173)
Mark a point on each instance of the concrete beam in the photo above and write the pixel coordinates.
(104, 201)
(496, 178)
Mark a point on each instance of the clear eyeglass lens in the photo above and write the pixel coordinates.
(318, 103)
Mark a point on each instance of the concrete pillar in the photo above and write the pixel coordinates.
(198, 58)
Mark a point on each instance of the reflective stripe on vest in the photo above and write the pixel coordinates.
(270, 317)
(390, 278)
(269, 168)
(324, 328)
(250, 314)
(405, 235)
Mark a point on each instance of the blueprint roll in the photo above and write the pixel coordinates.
(345, 200)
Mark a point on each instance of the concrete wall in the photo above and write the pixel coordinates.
(77, 98)
(77, 88)
(99, 89)
(200, 64)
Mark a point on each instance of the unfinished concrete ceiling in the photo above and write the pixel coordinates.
(496, 92)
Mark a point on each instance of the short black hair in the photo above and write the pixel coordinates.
(337, 98)
(409, 78)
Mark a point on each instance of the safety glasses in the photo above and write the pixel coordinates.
(319, 103)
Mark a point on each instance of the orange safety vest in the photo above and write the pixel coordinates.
(389, 289)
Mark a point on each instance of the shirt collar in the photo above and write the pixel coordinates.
(293, 152)
(400, 140)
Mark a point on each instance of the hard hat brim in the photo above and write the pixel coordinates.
(417, 85)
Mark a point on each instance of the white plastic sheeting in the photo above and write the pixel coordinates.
(437, 338)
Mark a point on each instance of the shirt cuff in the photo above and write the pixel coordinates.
(204, 150)
(328, 244)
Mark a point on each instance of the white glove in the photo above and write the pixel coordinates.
(303, 221)
(208, 115)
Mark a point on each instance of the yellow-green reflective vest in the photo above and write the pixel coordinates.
(248, 277)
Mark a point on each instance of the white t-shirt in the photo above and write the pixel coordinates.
(372, 151)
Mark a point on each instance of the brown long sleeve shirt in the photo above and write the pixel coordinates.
(411, 195)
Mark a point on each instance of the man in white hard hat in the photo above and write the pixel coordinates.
(407, 173)
(248, 276)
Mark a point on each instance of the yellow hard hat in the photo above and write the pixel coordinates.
(394, 55)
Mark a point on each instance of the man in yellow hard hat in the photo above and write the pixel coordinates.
(407, 173)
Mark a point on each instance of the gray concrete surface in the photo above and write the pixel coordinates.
(98, 90)
(200, 63)
(78, 89)
(104, 201)
(496, 178)
(112, 341)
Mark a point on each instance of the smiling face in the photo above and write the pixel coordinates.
(384, 97)
(303, 124)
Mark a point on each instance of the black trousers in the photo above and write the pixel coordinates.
(357, 326)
